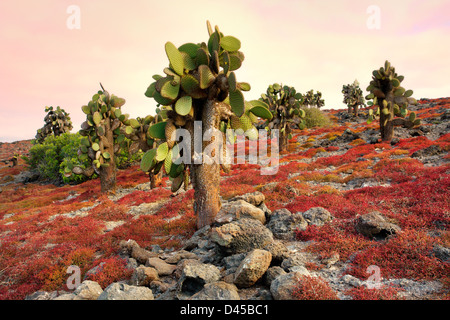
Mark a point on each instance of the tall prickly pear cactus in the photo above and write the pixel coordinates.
(353, 97)
(317, 100)
(392, 99)
(198, 85)
(285, 105)
(103, 136)
(56, 121)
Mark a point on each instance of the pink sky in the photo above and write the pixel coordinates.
(318, 45)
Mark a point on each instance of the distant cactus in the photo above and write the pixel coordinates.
(353, 97)
(392, 100)
(104, 134)
(285, 105)
(56, 121)
(199, 84)
(317, 100)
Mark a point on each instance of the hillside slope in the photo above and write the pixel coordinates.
(344, 169)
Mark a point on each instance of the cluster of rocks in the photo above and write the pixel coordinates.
(249, 253)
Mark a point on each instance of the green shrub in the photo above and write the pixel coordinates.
(51, 157)
(316, 118)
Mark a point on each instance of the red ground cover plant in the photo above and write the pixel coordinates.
(110, 270)
(364, 293)
(406, 255)
(313, 288)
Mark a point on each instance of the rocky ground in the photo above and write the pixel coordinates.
(268, 243)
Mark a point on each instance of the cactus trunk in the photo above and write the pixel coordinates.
(206, 177)
(108, 173)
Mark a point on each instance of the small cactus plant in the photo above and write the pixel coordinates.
(353, 97)
(392, 100)
(103, 136)
(199, 85)
(317, 100)
(56, 121)
(285, 105)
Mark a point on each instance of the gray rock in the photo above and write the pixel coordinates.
(217, 291)
(294, 260)
(241, 236)
(122, 291)
(272, 273)
(144, 276)
(283, 224)
(278, 250)
(238, 209)
(375, 225)
(194, 277)
(141, 255)
(162, 267)
(88, 290)
(317, 216)
(283, 286)
(232, 262)
(252, 268)
(198, 236)
(442, 253)
(41, 295)
(256, 198)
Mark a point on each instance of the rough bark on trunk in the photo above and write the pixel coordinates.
(205, 177)
(108, 173)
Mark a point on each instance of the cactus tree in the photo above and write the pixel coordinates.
(392, 99)
(56, 121)
(317, 100)
(103, 136)
(285, 104)
(353, 97)
(199, 85)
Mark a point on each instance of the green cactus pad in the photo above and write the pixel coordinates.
(202, 57)
(147, 161)
(232, 83)
(175, 58)
(206, 76)
(262, 112)
(230, 43)
(235, 62)
(183, 105)
(158, 130)
(97, 118)
(170, 91)
(190, 49)
(244, 86)
(162, 151)
(237, 103)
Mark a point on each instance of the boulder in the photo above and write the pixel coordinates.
(234, 210)
(162, 267)
(375, 225)
(122, 291)
(278, 250)
(241, 236)
(144, 276)
(252, 268)
(283, 224)
(256, 198)
(272, 273)
(194, 277)
(283, 286)
(88, 290)
(217, 291)
(317, 216)
(141, 255)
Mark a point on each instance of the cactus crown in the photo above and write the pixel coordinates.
(353, 95)
(56, 121)
(285, 105)
(387, 93)
(104, 114)
(197, 73)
